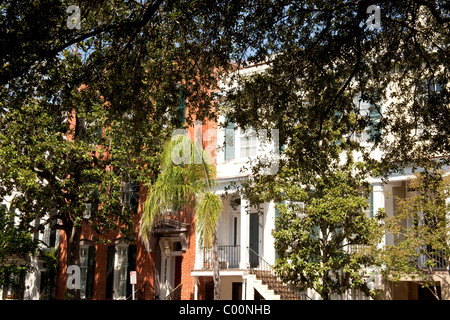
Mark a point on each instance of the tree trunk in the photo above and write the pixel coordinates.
(73, 257)
(216, 277)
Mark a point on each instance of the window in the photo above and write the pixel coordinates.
(248, 144)
(371, 132)
(433, 89)
(120, 261)
(130, 196)
(229, 141)
(87, 265)
(120, 272)
(49, 235)
(84, 252)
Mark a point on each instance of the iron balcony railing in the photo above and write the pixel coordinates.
(433, 259)
(264, 271)
(229, 257)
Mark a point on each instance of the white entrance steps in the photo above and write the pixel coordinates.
(253, 283)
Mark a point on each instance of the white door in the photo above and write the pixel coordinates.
(166, 276)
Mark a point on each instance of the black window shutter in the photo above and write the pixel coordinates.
(131, 266)
(90, 273)
(110, 272)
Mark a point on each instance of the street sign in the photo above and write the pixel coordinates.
(133, 277)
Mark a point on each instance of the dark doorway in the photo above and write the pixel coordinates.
(209, 290)
(236, 291)
(426, 294)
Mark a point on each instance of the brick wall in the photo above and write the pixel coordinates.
(144, 264)
(145, 261)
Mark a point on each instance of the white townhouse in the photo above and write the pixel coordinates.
(246, 244)
(40, 282)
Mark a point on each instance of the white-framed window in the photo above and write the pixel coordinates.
(248, 143)
(84, 257)
(120, 274)
(87, 269)
(374, 114)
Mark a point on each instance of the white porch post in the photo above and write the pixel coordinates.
(196, 288)
(245, 221)
(378, 201)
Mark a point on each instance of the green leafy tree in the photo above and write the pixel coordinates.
(17, 249)
(67, 169)
(86, 110)
(324, 243)
(333, 78)
(325, 59)
(421, 245)
(186, 182)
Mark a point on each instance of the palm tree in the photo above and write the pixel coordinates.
(186, 182)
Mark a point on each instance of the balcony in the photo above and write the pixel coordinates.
(229, 257)
(431, 259)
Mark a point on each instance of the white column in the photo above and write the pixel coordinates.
(198, 265)
(269, 226)
(378, 202)
(245, 221)
(196, 288)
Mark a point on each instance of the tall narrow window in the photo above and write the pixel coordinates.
(87, 265)
(121, 272)
(130, 195)
(229, 141)
(92, 202)
(121, 260)
(248, 144)
(373, 112)
(84, 252)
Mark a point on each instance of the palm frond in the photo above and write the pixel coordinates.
(208, 210)
(185, 181)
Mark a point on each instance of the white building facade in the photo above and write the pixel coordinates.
(245, 236)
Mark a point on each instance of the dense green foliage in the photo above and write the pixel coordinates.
(336, 87)
(420, 230)
(323, 245)
(84, 111)
(17, 246)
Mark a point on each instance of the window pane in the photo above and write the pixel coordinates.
(122, 262)
(248, 144)
(83, 269)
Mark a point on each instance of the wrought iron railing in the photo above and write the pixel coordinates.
(433, 259)
(264, 271)
(229, 257)
(175, 294)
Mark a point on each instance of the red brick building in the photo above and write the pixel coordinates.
(163, 270)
